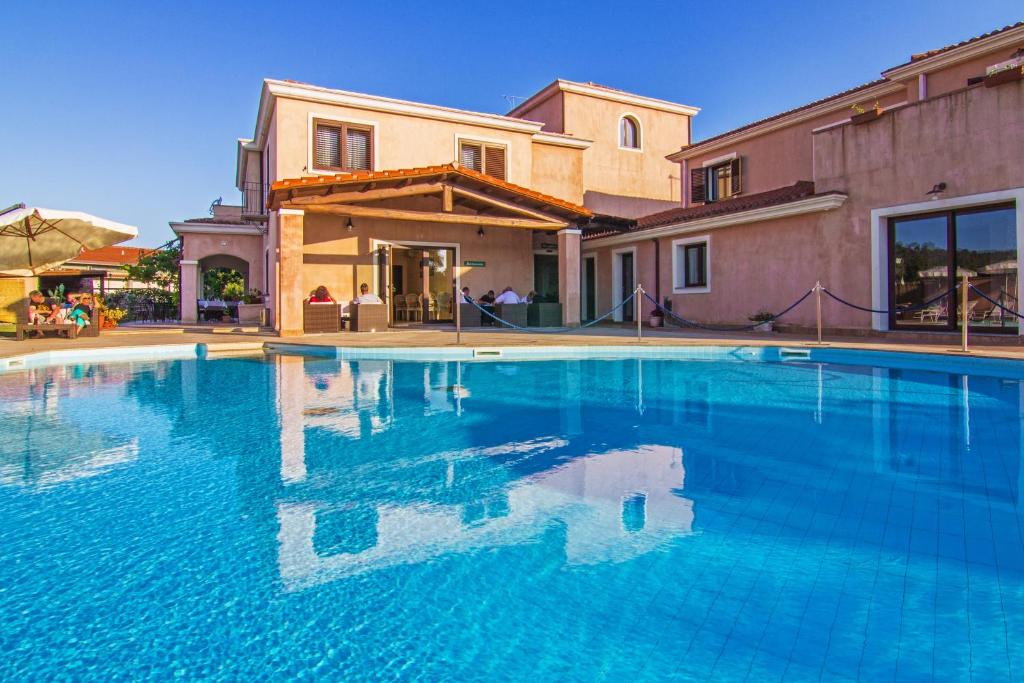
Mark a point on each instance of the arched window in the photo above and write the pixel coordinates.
(629, 133)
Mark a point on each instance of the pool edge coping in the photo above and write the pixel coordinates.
(706, 349)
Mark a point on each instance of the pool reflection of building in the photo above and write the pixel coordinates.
(44, 445)
(614, 505)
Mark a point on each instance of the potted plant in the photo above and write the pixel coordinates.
(1006, 72)
(862, 115)
(250, 308)
(110, 317)
(657, 319)
(765, 321)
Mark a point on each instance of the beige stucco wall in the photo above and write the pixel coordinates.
(549, 111)
(249, 248)
(401, 141)
(612, 170)
(558, 171)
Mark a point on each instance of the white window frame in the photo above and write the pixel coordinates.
(617, 282)
(639, 132)
(880, 241)
(334, 118)
(679, 286)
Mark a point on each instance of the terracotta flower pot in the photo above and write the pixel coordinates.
(866, 117)
(1004, 76)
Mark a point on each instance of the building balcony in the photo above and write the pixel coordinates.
(254, 201)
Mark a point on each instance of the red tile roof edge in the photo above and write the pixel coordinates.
(921, 56)
(803, 189)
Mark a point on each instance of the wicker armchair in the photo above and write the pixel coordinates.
(368, 317)
(470, 316)
(414, 306)
(511, 313)
(318, 318)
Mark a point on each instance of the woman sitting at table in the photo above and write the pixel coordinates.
(321, 296)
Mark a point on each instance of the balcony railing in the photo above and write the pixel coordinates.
(254, 200)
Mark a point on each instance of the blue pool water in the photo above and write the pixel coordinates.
(292, 517)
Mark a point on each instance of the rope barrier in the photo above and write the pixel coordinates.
(886, 311)
(555, 330)
(992, 301)
(731, 328)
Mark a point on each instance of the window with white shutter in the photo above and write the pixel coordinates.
(339, 146)
(489, 159)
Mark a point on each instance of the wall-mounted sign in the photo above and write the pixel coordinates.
(548, 245)
(474, 264)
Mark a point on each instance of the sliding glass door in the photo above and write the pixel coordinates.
(930, 253)
(920, 266)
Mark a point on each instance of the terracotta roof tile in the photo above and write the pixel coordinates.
(426, 171)
(116, 254)
(920, 56)
(782, 195)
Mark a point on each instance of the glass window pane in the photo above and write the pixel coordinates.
(920, 270)
(986, 251)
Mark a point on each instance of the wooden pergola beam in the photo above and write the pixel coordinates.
(369, 195)
(507, 205)
(427, 216)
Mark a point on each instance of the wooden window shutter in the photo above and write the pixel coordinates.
(494, 162)
(327, 146)
(698, 185)
(358, 149)
(471, 156)
(735, 176)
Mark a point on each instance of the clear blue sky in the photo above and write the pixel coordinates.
(131, 110)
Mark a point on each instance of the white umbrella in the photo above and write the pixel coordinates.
(33, 239)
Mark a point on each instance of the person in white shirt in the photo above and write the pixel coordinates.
(507, 296)
(365, 297)
(465, 297)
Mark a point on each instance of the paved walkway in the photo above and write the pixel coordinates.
(441, 336)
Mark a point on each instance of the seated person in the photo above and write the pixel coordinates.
(81, 313)
(488, 298)
(365, 297)
(320, 295)
(528, 299)
(40, 310)
(507, 296)
(465, 297)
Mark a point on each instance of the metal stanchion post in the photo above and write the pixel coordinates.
(458, 310)
(637, 307)
(817, 301)
(963, 313)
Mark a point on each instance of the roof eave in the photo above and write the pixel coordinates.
(799, 116)
(797, 207)
(1009, 38)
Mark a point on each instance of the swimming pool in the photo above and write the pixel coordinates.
(728, 518)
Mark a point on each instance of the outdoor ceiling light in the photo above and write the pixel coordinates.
(480, 232)
(348, 225)
(936, 190)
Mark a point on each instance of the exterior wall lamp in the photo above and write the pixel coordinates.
(348, 225)
(937, 190)
(480, 232)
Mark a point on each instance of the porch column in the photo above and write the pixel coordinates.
(189, 286)
(290, 291)
(569, 275)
